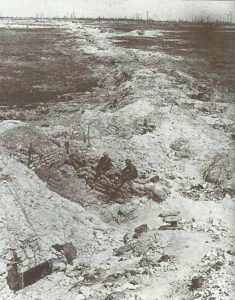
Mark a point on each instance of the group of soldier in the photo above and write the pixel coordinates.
(127, 174)
(105, 168)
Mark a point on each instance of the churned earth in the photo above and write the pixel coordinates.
(134, 90)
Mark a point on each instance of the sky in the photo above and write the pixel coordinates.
(157, 9)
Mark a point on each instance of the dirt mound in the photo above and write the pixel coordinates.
(34, 219)
(19, 138)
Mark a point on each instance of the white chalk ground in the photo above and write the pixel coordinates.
(207, 223)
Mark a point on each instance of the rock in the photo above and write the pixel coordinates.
(172, 219)
(154, 179)
(156, 192)
(58, 266)
(115, 296)
(140, 230)
(67, 250)
(133, 282)
(113, 277)
(163, 258)
(196, 282)
(120, 251)
(231, 251)
(127, 211)
(168, 213)
(197, 186)
(148, 262)
(91, 278)
(181, 148)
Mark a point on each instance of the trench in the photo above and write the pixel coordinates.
(17, 281)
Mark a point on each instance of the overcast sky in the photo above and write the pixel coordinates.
(160, 9)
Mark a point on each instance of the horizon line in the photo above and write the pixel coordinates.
(193, 19)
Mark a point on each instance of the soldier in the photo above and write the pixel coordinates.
(128, 173)
(76, 160)
(104, 165)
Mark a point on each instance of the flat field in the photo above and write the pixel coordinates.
(40, 62)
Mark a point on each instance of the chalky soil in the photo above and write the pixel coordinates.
(135, 90)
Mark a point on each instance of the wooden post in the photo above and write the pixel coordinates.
(30, 154)
(88, 134)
